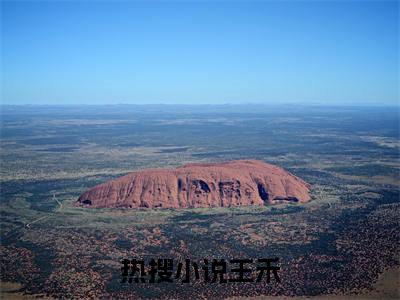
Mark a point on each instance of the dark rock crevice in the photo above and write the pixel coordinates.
(262, 192)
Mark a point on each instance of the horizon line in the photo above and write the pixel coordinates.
(208, 104)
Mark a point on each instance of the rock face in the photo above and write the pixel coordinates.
(234, 183)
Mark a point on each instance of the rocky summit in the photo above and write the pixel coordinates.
(233, 183)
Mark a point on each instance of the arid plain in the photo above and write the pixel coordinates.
(339, 244)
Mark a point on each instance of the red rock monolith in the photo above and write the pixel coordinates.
(234, 183)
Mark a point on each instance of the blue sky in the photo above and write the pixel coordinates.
(200, 52)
